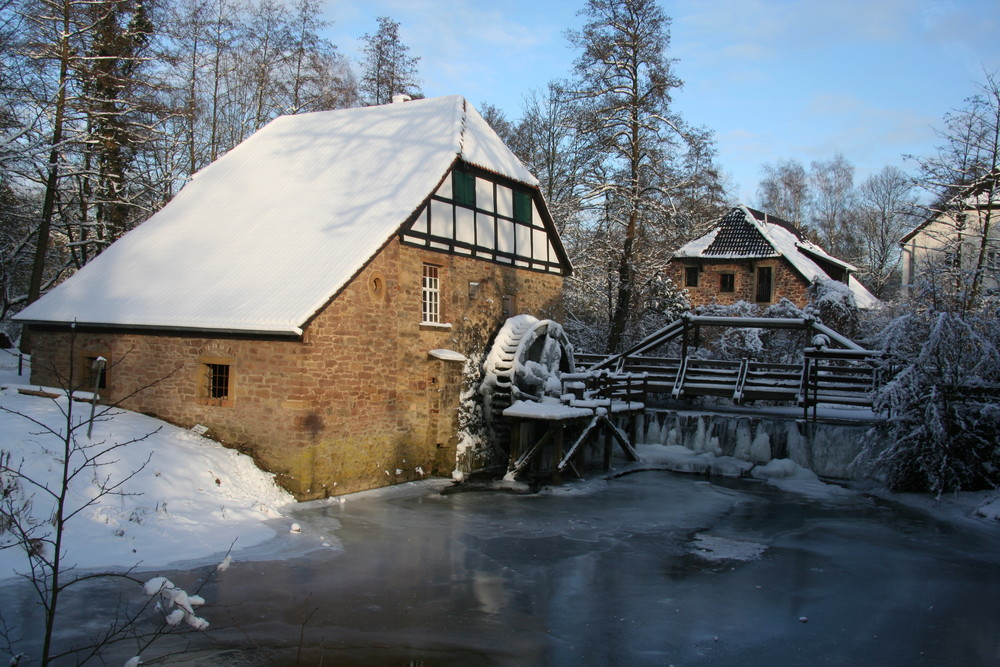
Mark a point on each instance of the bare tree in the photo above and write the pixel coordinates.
(386, 68)
(834, 206)
(35, 512)
(82, 115)
(316, 77)
(886, 209)
(963, 176)
(547, 142)
(784, 191)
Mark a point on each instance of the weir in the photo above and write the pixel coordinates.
(826, 446)
(563, 417)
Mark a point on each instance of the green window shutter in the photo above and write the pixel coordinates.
(522, 207)
(463, 188)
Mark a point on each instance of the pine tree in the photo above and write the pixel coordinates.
(625, 82)
(387, 69)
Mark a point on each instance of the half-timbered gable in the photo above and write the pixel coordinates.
(480, 214)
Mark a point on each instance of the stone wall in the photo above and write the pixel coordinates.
(787, 283)
(358, 403)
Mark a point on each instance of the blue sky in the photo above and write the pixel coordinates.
(773, 79)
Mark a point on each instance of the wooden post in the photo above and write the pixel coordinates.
(515, 443)
(96, 368)
(684, 340)
(557, 453)
(608, 444)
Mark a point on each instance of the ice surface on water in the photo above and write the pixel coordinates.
(710, 547)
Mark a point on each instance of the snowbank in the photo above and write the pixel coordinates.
(782, 473)
(190, 501)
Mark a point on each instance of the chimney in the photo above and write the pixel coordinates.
(399, 99)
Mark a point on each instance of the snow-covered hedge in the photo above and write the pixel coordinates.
(940, 435)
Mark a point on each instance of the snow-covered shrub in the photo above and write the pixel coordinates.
(662, 303)
(732, 343)
(942, 419)
(785, 346)
(473, 450)
(833, 303)
(657, 303)
(175, 604)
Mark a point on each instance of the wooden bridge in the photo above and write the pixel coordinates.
(834, 370)
(605, 389)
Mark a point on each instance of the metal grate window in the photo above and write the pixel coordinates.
(94, 371)
(431, 295)
(218, 380)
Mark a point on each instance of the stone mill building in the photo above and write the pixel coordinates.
(311, 296)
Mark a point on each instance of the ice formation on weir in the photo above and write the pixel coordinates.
(827, 449)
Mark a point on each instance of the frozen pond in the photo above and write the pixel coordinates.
(653, 568)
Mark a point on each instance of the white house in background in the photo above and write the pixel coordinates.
(954, 237)
(310, 296)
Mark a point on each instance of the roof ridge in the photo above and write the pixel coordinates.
(774, 220)
(463, 124)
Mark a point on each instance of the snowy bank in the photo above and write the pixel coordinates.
(782, 473)
(190, 501)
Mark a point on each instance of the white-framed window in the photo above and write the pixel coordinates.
(431, 295)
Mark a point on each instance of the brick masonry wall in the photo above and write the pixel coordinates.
(787, 283)
(358, 403)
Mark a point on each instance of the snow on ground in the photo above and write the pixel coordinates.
(951, 507)
(191, 501)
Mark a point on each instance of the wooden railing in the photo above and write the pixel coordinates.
(825, 376)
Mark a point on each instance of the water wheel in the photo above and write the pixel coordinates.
(525, 361)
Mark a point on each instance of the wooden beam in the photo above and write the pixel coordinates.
(528, 455)
(616, 433)
(594, 423)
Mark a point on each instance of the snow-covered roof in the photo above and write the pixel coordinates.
(265, 236)
(984, 193)
(746, 233)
